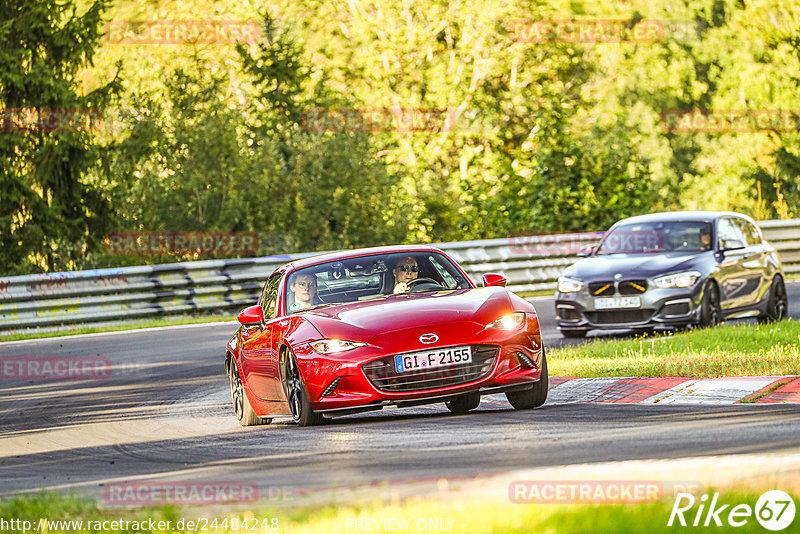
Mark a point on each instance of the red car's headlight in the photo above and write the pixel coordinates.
(332, 346)
(512, 321)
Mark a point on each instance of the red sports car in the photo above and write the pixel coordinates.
(355, 331)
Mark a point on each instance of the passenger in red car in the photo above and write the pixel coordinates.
(405, 270)
(304, 288)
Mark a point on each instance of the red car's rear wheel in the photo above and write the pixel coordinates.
(241, 405)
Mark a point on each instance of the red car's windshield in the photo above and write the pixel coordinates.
(370, 277)
(657, 237)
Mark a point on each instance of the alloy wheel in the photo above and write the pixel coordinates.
(781, 302)
(713, 301)
(237, 391)
(294, 388)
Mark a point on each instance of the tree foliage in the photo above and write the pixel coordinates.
(51, 213)
(531, 136)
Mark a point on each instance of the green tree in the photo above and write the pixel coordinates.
(328, 190)
(51, 212)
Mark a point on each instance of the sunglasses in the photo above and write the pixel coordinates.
(408, 268)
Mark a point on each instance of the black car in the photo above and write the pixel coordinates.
(673, 270)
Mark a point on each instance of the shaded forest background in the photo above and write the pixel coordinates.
(542, 136)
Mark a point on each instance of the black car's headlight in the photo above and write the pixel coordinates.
(569, 285)
(684, 279)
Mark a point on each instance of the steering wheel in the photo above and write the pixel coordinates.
(415, 281)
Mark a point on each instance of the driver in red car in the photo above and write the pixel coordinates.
(405, 270)
(304, 288)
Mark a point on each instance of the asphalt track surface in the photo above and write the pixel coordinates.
(164, 415)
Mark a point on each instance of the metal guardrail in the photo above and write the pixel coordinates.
(58, 301)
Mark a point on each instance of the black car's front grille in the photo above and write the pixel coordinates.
(619, 316)
(632, 287)
(601, 289)
(384, 376)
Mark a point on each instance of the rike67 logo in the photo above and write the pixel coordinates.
(774, 510)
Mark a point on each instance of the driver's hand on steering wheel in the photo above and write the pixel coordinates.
(402, 287)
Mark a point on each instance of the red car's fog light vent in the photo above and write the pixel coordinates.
(332, 387)
(384, 375)
(524, 360)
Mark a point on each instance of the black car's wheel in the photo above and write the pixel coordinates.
(464, 403)
(778, 302)
(710, 310)
(241, 405)
(533, 397)
(574, 334)
(296, 394)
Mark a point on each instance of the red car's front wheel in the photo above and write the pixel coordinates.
(533, 397)
(295, 390)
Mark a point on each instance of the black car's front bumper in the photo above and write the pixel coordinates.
(659, 308)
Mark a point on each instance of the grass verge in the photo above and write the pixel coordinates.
(443, 513)
(154, 323)
(727, 350)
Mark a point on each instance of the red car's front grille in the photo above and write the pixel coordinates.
(384, 376)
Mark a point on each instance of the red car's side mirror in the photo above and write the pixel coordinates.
(494, 280)
(252, 315)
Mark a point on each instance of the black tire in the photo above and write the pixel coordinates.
(241, 404)
(574, 334)
(533, 397)
(464, 403)
(710, 309)
(295, 390)
(777, 304)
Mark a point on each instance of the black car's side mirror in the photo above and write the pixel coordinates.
(730, 244)
(586, 250)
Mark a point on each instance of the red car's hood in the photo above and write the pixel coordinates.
(361, 321)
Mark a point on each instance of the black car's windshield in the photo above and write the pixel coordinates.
(369, 277)
(657, 237)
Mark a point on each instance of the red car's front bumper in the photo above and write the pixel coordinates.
(365, 378)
